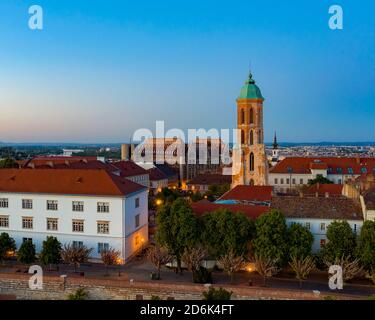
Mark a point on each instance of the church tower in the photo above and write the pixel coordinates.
(254, 166)
(275, 151)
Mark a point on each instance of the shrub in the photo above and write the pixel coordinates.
(217, 294)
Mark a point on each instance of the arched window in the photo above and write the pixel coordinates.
(251, 164)
(242, 137)
(259, 136)
(251, 183)
(251, 116)
(251, 137)
(242, 116)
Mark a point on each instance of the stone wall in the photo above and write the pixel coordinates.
(55, 288)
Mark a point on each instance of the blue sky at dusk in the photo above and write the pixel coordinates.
(100, 69)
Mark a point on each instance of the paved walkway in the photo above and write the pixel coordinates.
(139, 270)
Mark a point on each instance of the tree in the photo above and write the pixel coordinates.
(320, 179)
(26, 252)
(341, 241)
(75, 255)
(7, 244)
(266, 267)
(51, 251)
(193, 258)
(224, 231)
(350, 268)
(300, 241)
(217, 190)
(271, 236)
(302, 266)
(8, 163)
(177, 228)
(217, 294)
(80, 294)
(231, 263)
(159, 257)
(366, 246)
(109, 257)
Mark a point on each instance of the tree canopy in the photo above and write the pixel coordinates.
(51, 251)
(26, 252)
(271, 236)
(366, 246)
(8, 163)
(320, 179)
(178, 228)
(341, 241)
(224, 231)
(300, 241)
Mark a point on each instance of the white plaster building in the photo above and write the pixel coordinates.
(317, 213)
(91, 207)
(290, 173)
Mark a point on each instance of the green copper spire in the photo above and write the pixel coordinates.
(250, 90)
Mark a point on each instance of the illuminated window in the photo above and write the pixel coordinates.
(4, 222)
(52, 224)
(27, 223)
(103, 227)
(78, 226)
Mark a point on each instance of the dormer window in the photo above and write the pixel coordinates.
(350, 170)
(364, 170)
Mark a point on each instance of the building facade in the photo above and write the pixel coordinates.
(253, 161)
(82, 207)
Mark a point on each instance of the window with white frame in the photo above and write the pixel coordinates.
(77, 206)
(276, 181)
(136, 202)
(4, 203)
(281, 181)
(27, 222)
(308, 225)
(103, 227)
(301, 181)
(294, 181)
(78, 226)
(4, 221)
(52, 205)
(322, 226)
(27, 204)
(52, 224)
(137, 220)
(102, 246)
(103, 206)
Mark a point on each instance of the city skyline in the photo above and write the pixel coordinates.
(96, 73)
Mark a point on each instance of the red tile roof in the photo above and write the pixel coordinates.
(62, 181)
(337, 208)
(369, 198)
(332, 164)
(210, 179)
(129, 168)
(323, 189)
(249, 193)
(250, 211)
(156, 174)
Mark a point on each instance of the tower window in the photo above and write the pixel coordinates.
(242, 137)
(251, 161)
(259, 136)
(251, 116)
(251, 137)
(242, 116)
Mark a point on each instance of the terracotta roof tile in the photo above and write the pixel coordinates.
(62, 181)
(323, 189)
(210, 179)
(334, 165)
(249, 193)
(318, 208)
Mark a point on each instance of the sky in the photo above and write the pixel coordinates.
(101, 69)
